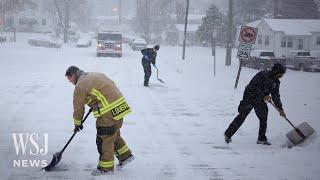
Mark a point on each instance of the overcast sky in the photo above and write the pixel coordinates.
(104, 7)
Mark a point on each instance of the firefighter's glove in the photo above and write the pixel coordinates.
(77, 128)
(267, 98)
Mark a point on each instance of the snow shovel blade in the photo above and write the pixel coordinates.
(161, 80)
(158, 75)
(295, 136)
(55, 160)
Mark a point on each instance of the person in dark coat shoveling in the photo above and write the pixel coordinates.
(149, 57)
(255, 96)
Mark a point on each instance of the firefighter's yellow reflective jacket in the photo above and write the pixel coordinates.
(101, 94)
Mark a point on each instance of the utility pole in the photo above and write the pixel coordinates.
(120, 15)
(213, 49)
(2, 18)
(229, 36)
(13, 7)
(66, 22)
(138, 12)
(147, 23)
(185, 31)
(276, 9)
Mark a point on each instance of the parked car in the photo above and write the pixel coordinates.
(3, 38)
(138, 44)
(84, 42)
(263, 59)
(127, 38)
(44, 43)
(92, 35)
(302, 60)
(131, 39)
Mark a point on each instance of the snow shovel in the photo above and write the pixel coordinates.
(158, 74)
(58, 155)
(298, 133)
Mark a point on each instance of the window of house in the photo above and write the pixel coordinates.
(318, 40)
(259, 39)
(266, 41)
(283, 42)
(300, 44)
(289, 43)
(44, 21)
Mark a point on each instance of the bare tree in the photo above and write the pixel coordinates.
(63, 15)
(62, 9)
(143, 18)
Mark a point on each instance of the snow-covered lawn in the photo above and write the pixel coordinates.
(175, 130)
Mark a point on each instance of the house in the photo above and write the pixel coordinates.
(192, 18)
(191, 34)
(29, 21)
(284, 35)
(175, 32)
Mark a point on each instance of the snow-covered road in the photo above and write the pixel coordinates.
(175, 130)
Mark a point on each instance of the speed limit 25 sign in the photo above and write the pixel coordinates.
(244, 51)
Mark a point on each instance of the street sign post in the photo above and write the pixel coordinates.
(213, 48)
(247, 37)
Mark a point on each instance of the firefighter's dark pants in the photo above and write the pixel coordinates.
(246, 105)
(147, 71)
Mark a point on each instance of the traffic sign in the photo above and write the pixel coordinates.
(248, 35)
(244, 51)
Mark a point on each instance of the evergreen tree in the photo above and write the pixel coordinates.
(213, 21)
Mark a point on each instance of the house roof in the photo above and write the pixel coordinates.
(196, 16)
(254, 23)
(291, 26)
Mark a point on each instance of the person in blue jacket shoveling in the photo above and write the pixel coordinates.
(149, 57)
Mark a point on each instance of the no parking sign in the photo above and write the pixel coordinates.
(248, 35)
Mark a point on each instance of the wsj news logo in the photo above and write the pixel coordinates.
(29, 147)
